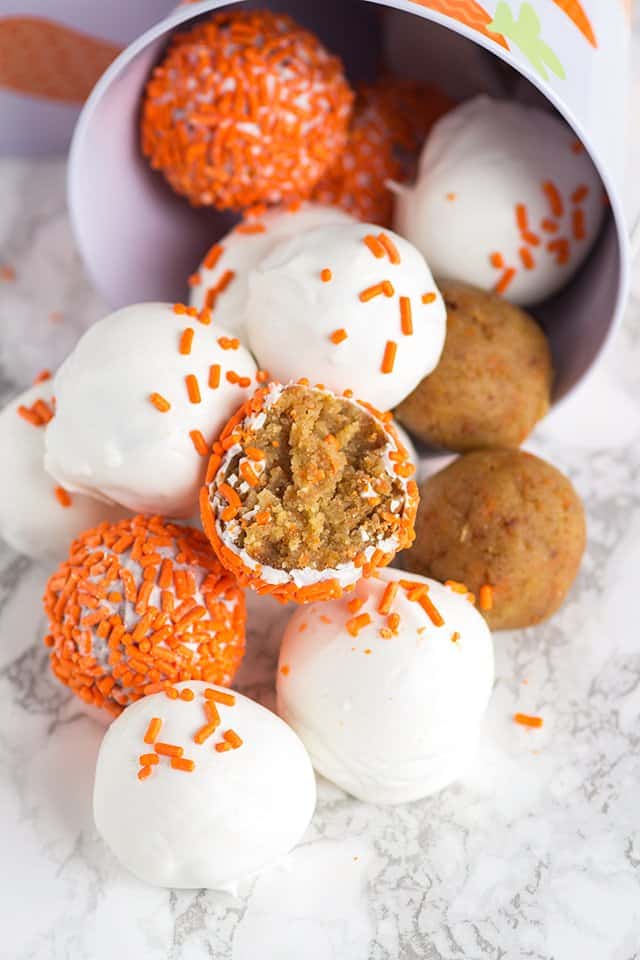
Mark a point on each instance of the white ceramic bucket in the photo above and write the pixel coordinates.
(140, 241)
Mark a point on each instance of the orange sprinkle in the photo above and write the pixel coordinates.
(451, 197)
(527, 721)
(199, 442)
(531, 238)
(223, 746)
(527, 258)
(179, 308)
(496, 260)
(251, 228)
(486, 597)
(354, 605)
(390, 247)
(326, 275)
(374, 291)
(580, 194)
(577, 146)
(554, 198)
(375, 246)
(521, 217)
(193, 388)
(194, 280)
(262, 376)
(356, 624)
(248, 474)
(406, 320)
(428, 297)
(254, 453)
(187, 694)
(262, 517)
(41, 377)
(549, 226)
(169, 750)
(561, 248)
(431, 610)
(213, 256)
(388, 288)
(232, 739)
(181, 763)
(388, 597)
(579, 231)
(389, 357)
(159, 402)
(393, 622)
(338, 335)
(214, 376)
(145, 772)
(148, 759)
(285, 669)
(505, 280)
(211, 713)
(229, 343)
(186, 341)
(219, 697)
(7, 273)
(456, 586)
(205, 317)
(62, 497)
(155, 725)
(455, 636)
(205, 732)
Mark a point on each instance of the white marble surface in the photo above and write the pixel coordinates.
(536, 854)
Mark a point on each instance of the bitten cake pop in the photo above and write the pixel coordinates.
(37, 516)
(356, 307)
(387, 690)
(245, 108)
(493, 381)
(307, 491)
(389, 124)
(506, 199)
(139, 402)
(140, 605)
(204, 790)
(221, 282)
(505, 521)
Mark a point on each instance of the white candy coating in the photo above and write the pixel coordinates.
(479, 163)
(235, 814)
(108, 439)
(242, 252)
(388, 720)
(292, 314)
(32, 520)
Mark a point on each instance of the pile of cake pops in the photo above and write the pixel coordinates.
(245, 439)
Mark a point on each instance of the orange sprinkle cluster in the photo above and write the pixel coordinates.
(138, 606)
(390, 123)
(38, 414)
(237, 432)
(246, 108)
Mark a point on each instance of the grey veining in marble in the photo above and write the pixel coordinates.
(535, 854)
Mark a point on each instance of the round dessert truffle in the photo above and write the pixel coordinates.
(139, 402)
(493, 381)
(140, 605)
(508, 526)
(204, 790)
(38, 517)
(245, 108)
(306, 492)
(387, 691)
(389, 124)
(506, 199)
(221, 282)
(356, 306)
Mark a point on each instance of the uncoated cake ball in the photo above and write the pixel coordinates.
(507, 525)
(493, 381)
(246, 108)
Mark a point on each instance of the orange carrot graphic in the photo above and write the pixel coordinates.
(468, 12)
(42, 58)
(575, 11)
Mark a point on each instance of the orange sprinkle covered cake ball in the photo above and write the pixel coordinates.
(246, 108)
(307, 491)
(138, 606)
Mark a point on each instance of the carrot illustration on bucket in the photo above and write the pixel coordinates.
(575, 11)
(468, 12)
(41, 58)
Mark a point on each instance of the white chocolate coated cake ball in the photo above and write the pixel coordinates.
(37, 516)
(388, 704)
(506, 199)
(349, 306)
(203, 792)
(221, 282)
(139, 402)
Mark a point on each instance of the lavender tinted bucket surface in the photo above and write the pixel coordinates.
(140, 241)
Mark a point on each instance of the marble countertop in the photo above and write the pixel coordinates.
(535, 854)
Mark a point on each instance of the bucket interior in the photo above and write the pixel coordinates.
(140, 241)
